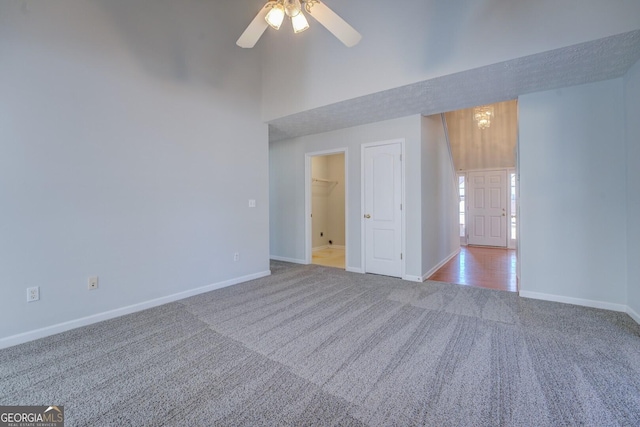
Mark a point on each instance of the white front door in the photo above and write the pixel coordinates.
(488, 208)
(383, 210)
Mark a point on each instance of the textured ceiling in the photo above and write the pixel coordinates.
(597, 60)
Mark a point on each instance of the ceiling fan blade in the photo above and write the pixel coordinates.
(254, 31)
(332, 22)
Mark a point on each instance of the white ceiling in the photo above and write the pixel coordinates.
(592, 61)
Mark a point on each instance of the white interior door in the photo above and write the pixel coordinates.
(383, 210)
(488, 208)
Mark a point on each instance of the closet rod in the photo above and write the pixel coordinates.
(324, 180)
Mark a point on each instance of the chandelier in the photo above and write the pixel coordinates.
(483, 115)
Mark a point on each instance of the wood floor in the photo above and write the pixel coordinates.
(329, 257)
(492, 268)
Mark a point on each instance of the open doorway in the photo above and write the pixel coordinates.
(485, 158)
(326, 206)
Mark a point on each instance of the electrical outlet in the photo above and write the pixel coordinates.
(252, 203)
(92, 283)
(236, 256)
(33, 294)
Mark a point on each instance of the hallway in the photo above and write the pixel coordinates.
(491, 268)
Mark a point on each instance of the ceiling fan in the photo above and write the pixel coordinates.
(273, 13)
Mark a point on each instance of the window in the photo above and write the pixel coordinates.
(512, 180)
(461, 207)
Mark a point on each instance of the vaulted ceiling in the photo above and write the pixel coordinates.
(596, 60)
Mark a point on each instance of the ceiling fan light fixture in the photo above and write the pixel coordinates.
(292, 7)
(299, 23)
(275, 16)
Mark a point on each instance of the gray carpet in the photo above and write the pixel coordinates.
(312, 345)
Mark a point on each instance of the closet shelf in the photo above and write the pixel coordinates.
(324, 180)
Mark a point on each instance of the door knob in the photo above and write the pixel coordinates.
(367, 216)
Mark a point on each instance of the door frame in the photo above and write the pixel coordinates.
(464, 174)
(511, 242)
(308, 226)
(403, 242)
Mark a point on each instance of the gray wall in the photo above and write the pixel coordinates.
(632, 106)
(430, 191)
(440, 229)
(130, 143)
(287, 188)
(573, 194)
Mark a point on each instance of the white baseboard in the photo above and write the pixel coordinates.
(440, 264)
(285, 259)
(412, 278)
(575, 301)
(95, 318)
(354, 270)
(633, 314)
